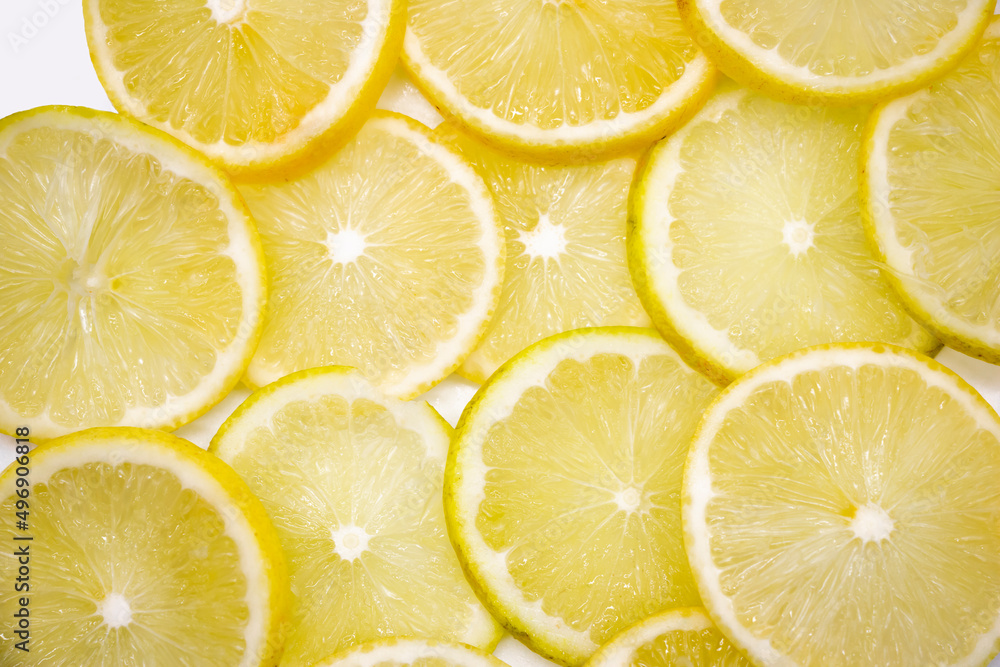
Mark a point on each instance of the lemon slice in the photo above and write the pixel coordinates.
(675, 638)
(566, 266)
(840, 508)
(411, 653)
(132, 289)
(931, 203)
(352, 480)
(812, 51)
(259, 86)
(747, 241)
(558, 79)
(386, 258)
(562, 490)
(140, 549)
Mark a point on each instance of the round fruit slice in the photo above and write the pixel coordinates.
(558, 79)
(257, 85)
(352, 480)
(563, 484)
(746, 240)
(137, 548)
(132, 289)
(812, 51)
(386, 258)
(411, 653)
(679, 637)
(932, 209)
(566, 266)
(841, 508)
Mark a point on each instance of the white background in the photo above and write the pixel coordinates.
(44, 60)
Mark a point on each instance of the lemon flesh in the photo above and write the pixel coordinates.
(144, 550)
(746, 240)
(386, 258)
(253, 84)
(411, 653)
(562, 489)
(566, 267)
(353, 481)
(841, 509)
(815, 51)
(932, 203)
(557, 78)
(676, 638)
(133, 289)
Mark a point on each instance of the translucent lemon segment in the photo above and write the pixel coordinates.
(249, 82)
(132, 292)
(747, 240)
(682, 637)
(563, 488)
(841, 506)
(411, 653)
(933, 203)
(844, 53)
(553, 76)
(386, 258)
(353, 483)
(566, 268)
(139, 556)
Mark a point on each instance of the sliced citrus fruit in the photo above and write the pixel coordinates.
(259, 86)
(675, 638)
(746, 240)
(841, 507)
(386, 258)
(132, 290)
(566, 267)
(411, 653)
(812, 51)
(562, 491)
(352, 480)
(139, 549)
(931, 203)
(555, 79)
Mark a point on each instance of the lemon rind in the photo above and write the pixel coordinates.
(405, 650)
(981, 341)
(261, 558)
(319, 132)
(625, 133)
(697, 489)
(473, 323)
(246, 252)
(620, 650)
(738, 57)
(310, 384)
(548, 636)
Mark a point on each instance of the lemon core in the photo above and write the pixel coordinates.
(116, 610)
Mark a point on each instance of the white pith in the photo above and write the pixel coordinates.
(242, 250)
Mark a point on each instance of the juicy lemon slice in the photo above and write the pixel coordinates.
(353, 481)
(747, 241)
(811, 51)
(562, 490)
(132, 289)
(675, 638)
(256, 85)
(558, 78)
(566, 266)
(931, 203)
(386, 258)
(411, 653)
(143, 550)
(841, 507)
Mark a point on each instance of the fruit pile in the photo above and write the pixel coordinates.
(698, 253)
